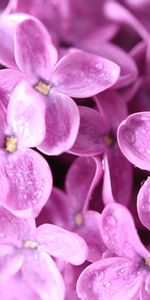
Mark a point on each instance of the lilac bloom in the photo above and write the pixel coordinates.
(126, 274)
(133, 139)
(97, 135)
(78, 74)
(25, 249)
(70, 210)
(26, 179)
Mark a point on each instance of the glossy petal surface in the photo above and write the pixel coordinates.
(62, 124)
(80, 74)
(134, 141)
(143, 203)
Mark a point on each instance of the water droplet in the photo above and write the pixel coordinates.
(99, 275)
(106, 284)
(146, 207)
(129, 136)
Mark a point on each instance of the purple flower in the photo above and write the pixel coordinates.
(126, 274)
(26, 179)
(24, 250)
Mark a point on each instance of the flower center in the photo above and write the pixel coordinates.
(147, 262)
(108, 140)
(43, 88)
(79, 219)
(30, 244)
(10, 143)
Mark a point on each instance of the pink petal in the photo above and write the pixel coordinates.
(26, 181)
(116, 12)
(41, 273)
(90, 231)
(62, 124)
(81, 74)
(7, 32)
(143, 203)
(82, 177)
(61, 243)
(13, 228)
(107, 195)
(10, 261)
(134, 141)
(26, 106)
(35, 54)
(115, 220)
(90, 138)
(112, 278)
(145, 289)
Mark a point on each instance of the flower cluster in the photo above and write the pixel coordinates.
(74, 150)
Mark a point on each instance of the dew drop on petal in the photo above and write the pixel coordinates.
(129, 136)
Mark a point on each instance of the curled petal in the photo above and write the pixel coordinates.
(143, 203)
(134, 140)
(61, 243)
(90, 138)
(116, 219)
(35, 54)
(112, 278)
(81, 179)
(42, 275)
(26, 115)
(81, 74)
(26, 181)
(62, 124)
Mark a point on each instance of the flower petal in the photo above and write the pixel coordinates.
(112, 278)
(27, 179)
(116, 219)
(143, 203)
(26, 106)
(134, 140)
(13, 228)
(90, 138)
(62, 124)
(41, 273)
(81, 179)
(81, 74)
(61, 243)
(35, 54)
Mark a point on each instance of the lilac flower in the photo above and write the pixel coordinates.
(78, 74)
(143, 203)
(26, 179)
(126, 274)
(25, 249)
(70, 210)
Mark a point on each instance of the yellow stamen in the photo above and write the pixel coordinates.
(43, 88)
(147, 262)
(30, 244)
(79, 218)
(10, 143)
(108, 140)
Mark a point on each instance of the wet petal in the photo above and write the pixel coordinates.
(81, 179)
(62, 124)
(143, 203)
(25, 108)
(41, 273)
(80, 74)
(26, 181)
(35, 54)
(90, 138)
(134, 140)
(13, 228)
(61, 243)
(145, 289)
(112, 278)
(115, 220)
(90, 231)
